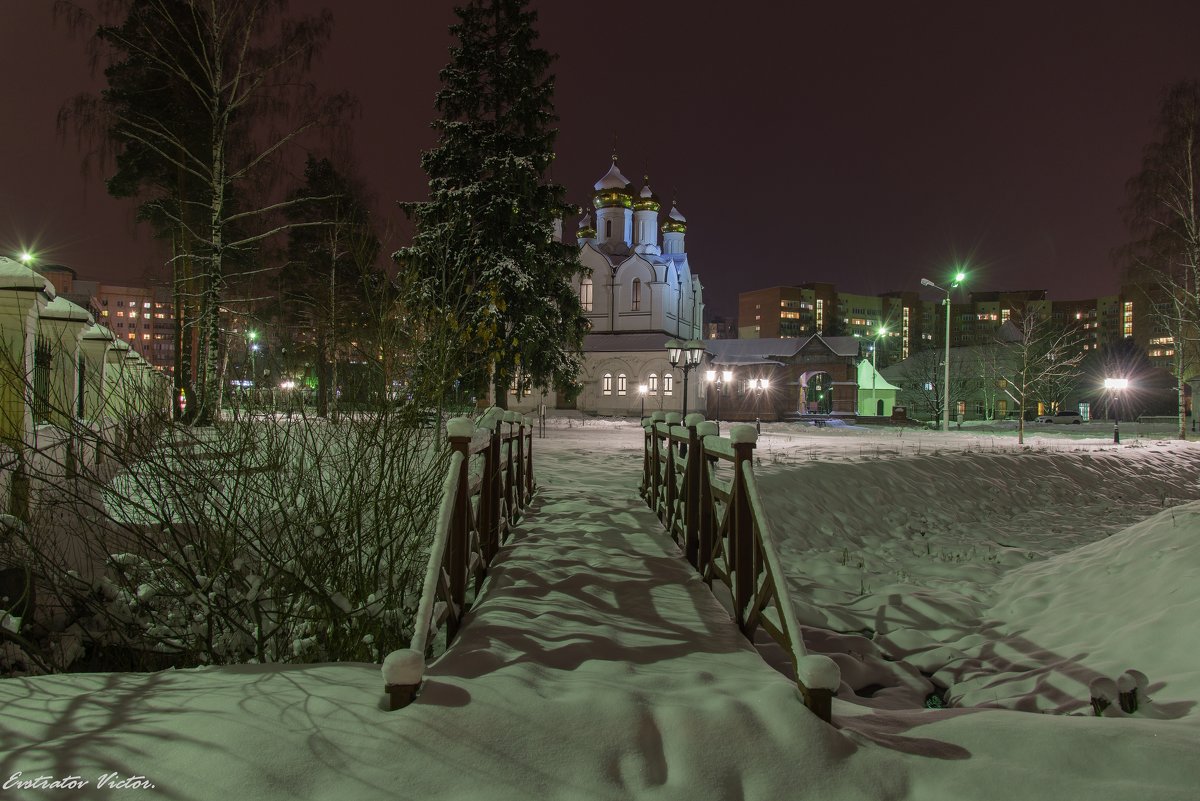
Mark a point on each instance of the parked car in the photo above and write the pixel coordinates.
(1061, 417)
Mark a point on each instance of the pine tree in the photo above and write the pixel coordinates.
(484, 259)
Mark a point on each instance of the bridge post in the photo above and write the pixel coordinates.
(529, 464)
(743, 438)
(460, 536)
(706, 523)
(489, 491)
(655, 459)
(691, 492)
(645, 488)
(670, 512)
(520, 467)
(509, 473)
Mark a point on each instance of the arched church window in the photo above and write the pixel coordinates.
(585, 294)
(652, 384)
(636, 299)
(668, 383)
(606, 384)
(622, 384)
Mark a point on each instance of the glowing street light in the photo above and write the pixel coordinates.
(642, 390)
(881, 331)
(1115, 385)
(26, 257)
(959, 277)
(718, 379)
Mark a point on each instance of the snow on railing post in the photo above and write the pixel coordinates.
(707, 523)
(743, 437)
(691, 490)
(460, 534)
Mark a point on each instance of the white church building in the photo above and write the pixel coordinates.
(636, 293)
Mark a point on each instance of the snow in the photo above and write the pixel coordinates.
(460, 427)
(596, 665)
(743, 433)
(404, 666)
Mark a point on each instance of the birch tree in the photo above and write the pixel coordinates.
(202, 151)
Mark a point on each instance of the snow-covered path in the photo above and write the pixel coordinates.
(597, 666)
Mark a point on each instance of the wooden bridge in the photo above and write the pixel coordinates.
(721, 575)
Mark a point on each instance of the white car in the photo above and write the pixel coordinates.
(1061, 417)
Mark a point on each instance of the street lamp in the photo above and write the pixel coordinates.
(1115, 385)
(759, 386)
(958, 279)
(688, 356)
(718, 379)
(642, 390)
(874, 348)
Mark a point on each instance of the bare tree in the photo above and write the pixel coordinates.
(1163, 258)
(237, 102)
(1043, 362)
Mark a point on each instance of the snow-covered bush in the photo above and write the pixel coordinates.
(259, 539)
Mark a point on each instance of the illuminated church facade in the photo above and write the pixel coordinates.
(637, 291)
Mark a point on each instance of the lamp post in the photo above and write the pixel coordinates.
(642, 390)
(1115, 385)
(718, 379)
(253, 347)
(759, 386)
(958, 279)
(874, 348)
(688, 356)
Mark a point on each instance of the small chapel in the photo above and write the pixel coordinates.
(637, 292)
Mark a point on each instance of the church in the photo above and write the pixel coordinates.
(637, 293)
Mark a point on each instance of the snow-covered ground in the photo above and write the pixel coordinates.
(954, 565)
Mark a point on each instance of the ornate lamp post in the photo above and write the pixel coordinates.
(1115, 385)
(642, 390)
(958, 279)
(686, 355)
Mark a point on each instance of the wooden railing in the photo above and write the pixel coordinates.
(720, 525)
(488, 484)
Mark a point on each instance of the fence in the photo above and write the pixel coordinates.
(489, 482)
(724, 533)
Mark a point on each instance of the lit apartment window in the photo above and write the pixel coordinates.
(145, 336)
(132, 335)
(146, 305)
(104, 312)
(120, 314)
(133, 314)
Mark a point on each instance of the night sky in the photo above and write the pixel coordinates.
(868, 144)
